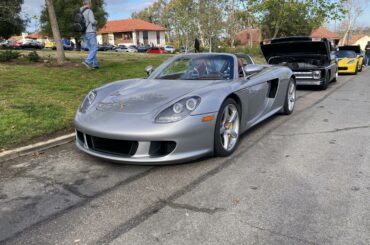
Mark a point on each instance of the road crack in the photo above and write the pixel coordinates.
(324, 132)
(209, 211)
(280, 234)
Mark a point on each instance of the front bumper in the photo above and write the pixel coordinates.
(306, 78)
(192, 137)
(348, 69)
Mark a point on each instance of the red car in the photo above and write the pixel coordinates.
(16, 45)
(156, 50)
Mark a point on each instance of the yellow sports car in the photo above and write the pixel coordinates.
(349, 62)
(359, 55)
(49, 44)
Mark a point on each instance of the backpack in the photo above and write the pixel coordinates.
(79, 24)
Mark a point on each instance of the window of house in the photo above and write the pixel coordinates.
(123, 35)
(145, 37)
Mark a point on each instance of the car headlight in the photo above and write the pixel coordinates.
(351, 62)
(316, 74)
(179, 110)
(89, 99)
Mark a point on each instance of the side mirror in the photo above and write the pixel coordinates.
(252, 69)
(149, 70)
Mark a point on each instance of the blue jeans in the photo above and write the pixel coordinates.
(367, 60)
(92, 44)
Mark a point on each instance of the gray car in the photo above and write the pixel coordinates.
(191, 106)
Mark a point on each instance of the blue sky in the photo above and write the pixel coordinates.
(119, 9)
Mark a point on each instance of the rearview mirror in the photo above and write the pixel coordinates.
(252, 68)
(149, 70)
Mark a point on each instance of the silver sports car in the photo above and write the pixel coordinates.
(190, 106)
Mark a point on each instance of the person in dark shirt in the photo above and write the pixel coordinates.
(367, 54)
(197, 45)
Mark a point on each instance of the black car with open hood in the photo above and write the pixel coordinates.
(311, 59)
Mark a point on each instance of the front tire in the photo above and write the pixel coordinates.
(325, 85)
(226, 136)
(336, 77)
(360, 70)
(356, 71)
(290, 98)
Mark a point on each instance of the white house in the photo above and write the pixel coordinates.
(361, 40)
(131, 31)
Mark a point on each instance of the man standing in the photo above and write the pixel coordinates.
(196, 45)
(367, 54)
(89, 36)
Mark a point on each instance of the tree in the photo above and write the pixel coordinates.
(11, 22)
(354, 9)
(54, 26)
(293, 17)
(65, 11)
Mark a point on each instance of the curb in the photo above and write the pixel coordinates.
(30, 149)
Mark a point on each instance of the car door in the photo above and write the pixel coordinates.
(254, 95)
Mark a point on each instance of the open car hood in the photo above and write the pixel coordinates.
(295, 48)
(355, 48)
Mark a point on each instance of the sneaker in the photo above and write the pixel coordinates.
(87, 65)
(95, 67)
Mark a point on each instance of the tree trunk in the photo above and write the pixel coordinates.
(56, 33)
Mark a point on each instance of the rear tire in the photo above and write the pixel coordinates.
(226, 136)
(290, 98)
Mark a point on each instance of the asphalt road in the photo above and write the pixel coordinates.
(299, 179)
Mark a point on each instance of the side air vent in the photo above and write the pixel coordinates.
(273, 87)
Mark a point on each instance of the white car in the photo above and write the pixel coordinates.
(124, 48)
(169, 49)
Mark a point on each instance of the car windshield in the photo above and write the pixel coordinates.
(346, 54)
(210, 67)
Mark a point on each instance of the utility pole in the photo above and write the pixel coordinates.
(56, 33)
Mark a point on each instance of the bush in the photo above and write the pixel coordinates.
(8, 55)
(34, 56)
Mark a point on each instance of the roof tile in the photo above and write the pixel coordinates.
(129, 25)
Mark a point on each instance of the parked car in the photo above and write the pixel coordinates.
(169, 49)
(105, 47)
(360, 55)
(184, 50)
(49, 44)
(143, 48)
(348, 62)
(16, 45)
(67, 44)
(311, 59)
(192, 106)
(156, 50)
(6, 43)
(32, 44)
(126, 48)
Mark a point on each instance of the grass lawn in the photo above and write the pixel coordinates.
(37, 101)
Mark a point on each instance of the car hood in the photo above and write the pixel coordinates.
(344, 61)
(294, 48)
(355, 48)
(145, 96)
